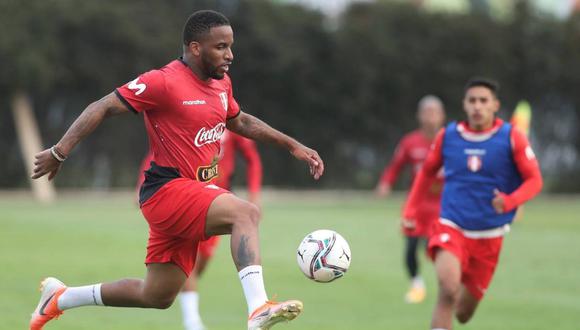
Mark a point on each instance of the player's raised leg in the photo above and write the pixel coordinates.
(158, 290)
(229, 214)
(448, 270)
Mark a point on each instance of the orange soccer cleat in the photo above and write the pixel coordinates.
(47, 308)
(265, 316)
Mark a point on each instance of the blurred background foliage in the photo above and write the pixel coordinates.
(348, 88)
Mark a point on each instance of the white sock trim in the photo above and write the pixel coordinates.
(417, 281)
(89, 295)
(253, 284)
(97, 298)
(190, 309)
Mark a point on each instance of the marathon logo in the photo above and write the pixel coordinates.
(206, 173)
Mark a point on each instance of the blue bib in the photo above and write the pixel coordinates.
(473, 169)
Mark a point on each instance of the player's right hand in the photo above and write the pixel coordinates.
(383, 190)
(408, 224)
(44, 164)
(311, 157)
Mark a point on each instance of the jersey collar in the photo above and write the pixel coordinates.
(186, 66)
(478, 136)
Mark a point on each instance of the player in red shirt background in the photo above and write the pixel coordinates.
(412, 151)
(186, 105)
(490, 170)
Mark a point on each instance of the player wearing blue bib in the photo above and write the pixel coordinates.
(489, 170)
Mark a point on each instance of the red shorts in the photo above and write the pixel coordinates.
(207, 248)
(426, 217)
(478, 257)
(176, 214)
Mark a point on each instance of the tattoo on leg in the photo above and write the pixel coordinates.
(245, 256)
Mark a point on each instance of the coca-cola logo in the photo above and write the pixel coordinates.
(205, 135)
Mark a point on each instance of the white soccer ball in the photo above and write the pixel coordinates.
(323, 255)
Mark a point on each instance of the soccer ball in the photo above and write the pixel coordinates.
(323, 255)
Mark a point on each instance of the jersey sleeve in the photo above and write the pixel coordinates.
(428, 172)
(233, 106)
(529, 169)
(394, 168)
(254, 173)
(144, 92)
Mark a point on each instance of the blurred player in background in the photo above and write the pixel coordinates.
(521, 119)
(187, 105)
(412, 150)
(489, 170)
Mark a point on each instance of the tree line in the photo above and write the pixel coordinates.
(349, 89)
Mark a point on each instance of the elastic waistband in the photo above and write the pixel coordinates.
(477, 234)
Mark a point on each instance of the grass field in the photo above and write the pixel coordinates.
(83, 240)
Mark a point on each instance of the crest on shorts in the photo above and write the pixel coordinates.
(474, 163)
(224, 99)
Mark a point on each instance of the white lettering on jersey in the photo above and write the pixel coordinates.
(205, 136)
(224, 99)
(475, 152)
(134, 85)
(194, 102)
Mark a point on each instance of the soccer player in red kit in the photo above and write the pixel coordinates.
(489, 170)
(412, 150)
(187, 106)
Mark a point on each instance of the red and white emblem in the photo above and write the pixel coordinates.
(224, 99)
(474, 163)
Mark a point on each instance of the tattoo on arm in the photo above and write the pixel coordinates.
(245, 257)
(253, 128)
(90, 119)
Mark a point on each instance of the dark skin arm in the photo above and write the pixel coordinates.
(253, 128)
(86, 123)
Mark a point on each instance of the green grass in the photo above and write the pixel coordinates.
(86, 240)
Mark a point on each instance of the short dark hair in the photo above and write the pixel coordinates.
(490, 84)
(200, 22)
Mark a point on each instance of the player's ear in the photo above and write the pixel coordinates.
(195, 48)
(497, 104)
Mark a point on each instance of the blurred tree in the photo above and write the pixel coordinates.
(350, 91)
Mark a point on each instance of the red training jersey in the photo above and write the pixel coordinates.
(412, 150)
(184, 117)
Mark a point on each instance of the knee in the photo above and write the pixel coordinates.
(161, 302)
(465, 309)
(463, 315)
(249, 215)
(449, 290)
(158, 300)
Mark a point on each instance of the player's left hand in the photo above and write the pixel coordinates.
(254, 198)
(408, 224)
(311, 157)
(498, 201)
